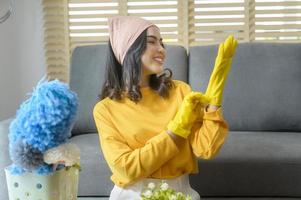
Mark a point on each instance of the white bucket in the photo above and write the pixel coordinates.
(61, 185)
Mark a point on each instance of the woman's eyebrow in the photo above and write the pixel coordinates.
(154, 37)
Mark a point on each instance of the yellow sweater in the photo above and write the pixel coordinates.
(135, 144)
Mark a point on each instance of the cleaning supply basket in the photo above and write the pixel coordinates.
(60, 185)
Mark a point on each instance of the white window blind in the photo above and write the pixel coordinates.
(278, 21)
(88, 20)
(212, 21)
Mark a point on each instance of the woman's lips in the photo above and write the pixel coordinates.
(159, 60)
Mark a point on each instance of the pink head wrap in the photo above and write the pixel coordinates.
(123, 31)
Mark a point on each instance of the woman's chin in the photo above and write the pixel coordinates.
(159, 68)
(156, 69)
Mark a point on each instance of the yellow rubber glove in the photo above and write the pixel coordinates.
(221, 69)
(187, 114)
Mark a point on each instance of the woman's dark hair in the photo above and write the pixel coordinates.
(119, 79)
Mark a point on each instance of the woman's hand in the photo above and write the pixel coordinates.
(220, 72)
(187, 114)
(211, 108)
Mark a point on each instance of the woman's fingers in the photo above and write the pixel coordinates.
(197, 97)
(230, 46)
(227, 48)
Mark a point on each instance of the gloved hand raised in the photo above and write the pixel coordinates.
(221, 69)
(187, 114)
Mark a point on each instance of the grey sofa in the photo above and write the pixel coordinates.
(261, 158)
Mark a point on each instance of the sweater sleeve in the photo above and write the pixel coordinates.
(129, 164)
(208, 137)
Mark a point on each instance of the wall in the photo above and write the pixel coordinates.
(21, 54)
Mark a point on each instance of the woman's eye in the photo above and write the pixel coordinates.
(161, 43)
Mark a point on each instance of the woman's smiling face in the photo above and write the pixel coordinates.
(154, 56)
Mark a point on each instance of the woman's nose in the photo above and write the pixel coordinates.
(161, 48)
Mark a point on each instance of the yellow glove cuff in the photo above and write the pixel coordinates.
(177, 129)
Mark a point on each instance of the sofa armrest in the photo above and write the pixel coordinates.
(4, 156)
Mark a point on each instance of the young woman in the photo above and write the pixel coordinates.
(151, 127)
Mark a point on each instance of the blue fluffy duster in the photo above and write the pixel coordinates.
(42, 122)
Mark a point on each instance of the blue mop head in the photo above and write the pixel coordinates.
(42, 122)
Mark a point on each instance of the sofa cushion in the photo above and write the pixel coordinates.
(262, 91)
(253, 164)
(249, 163)
(87, 75)
(94, 178)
